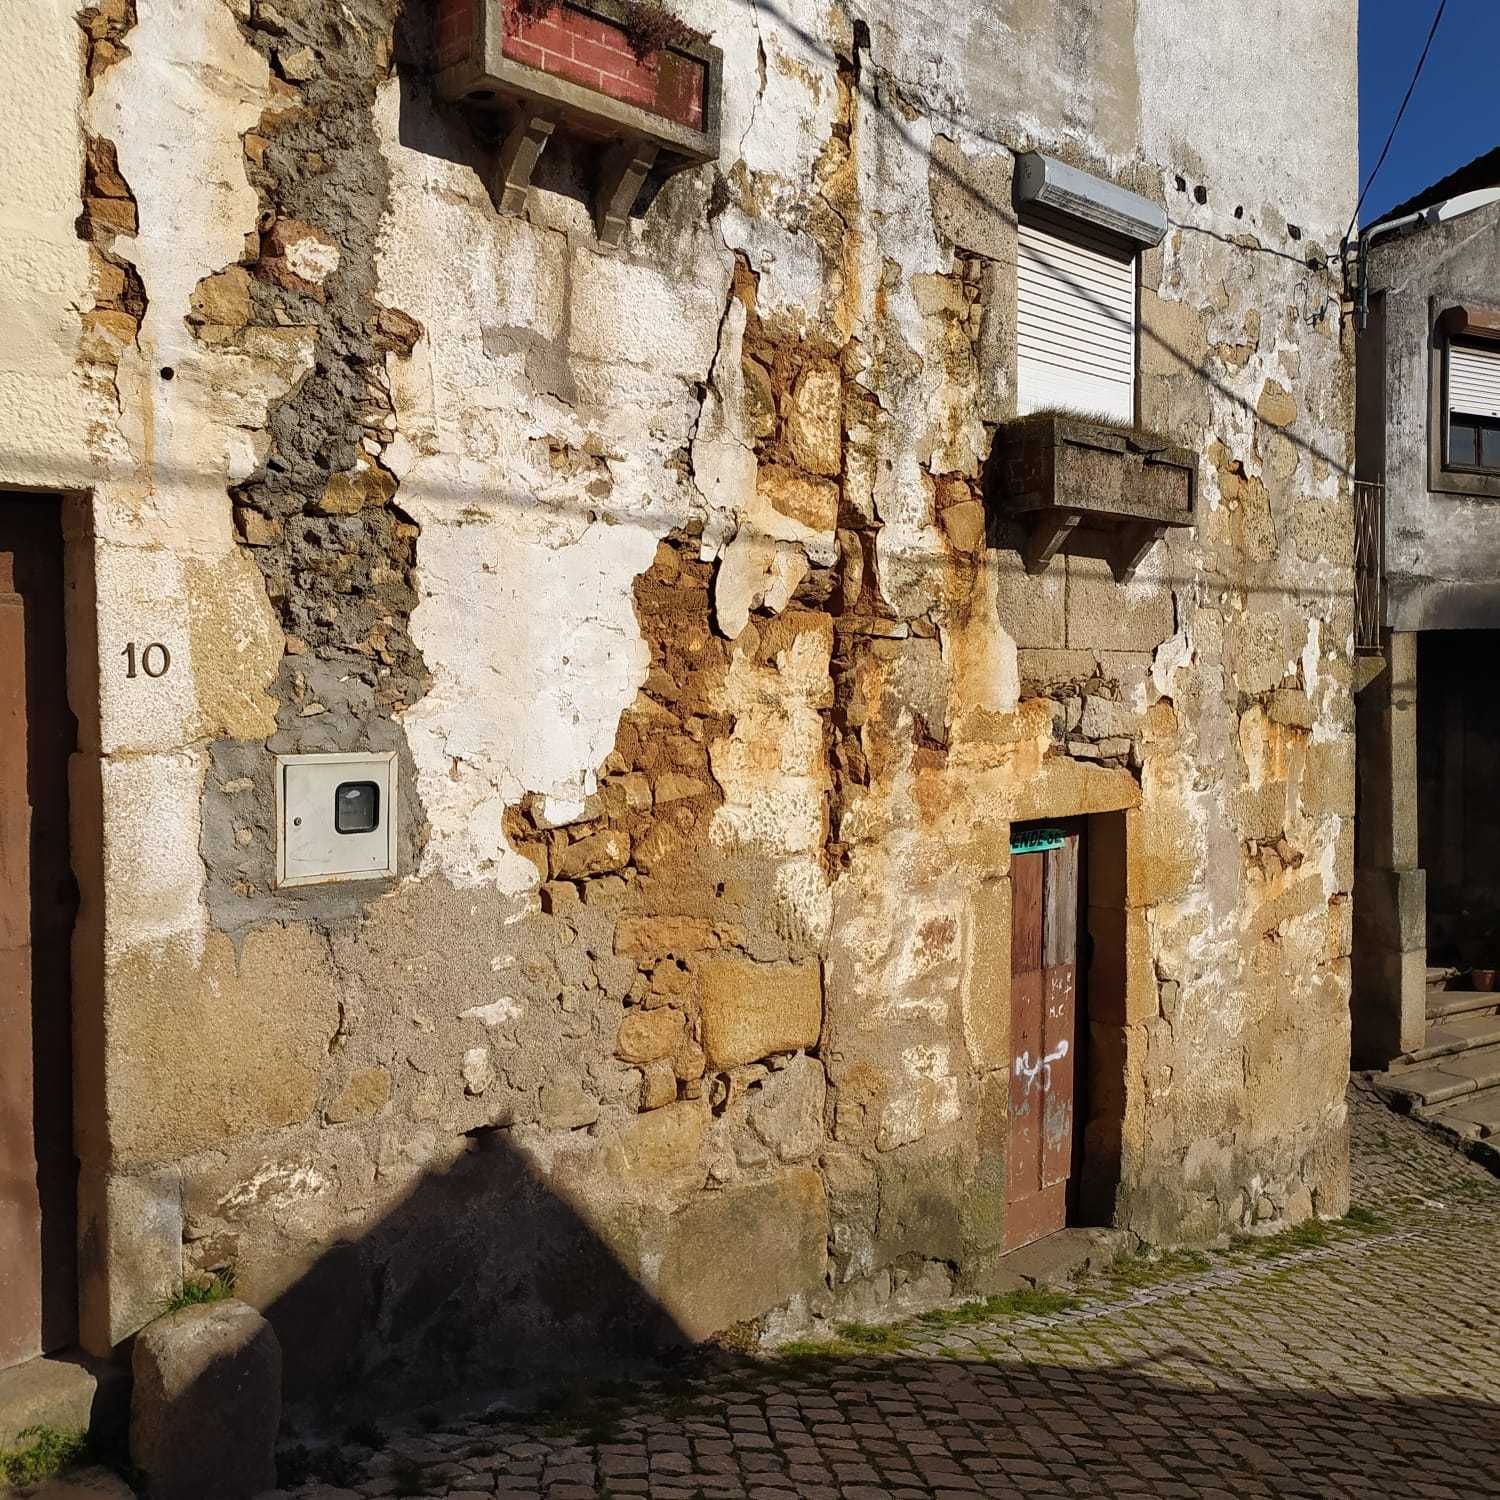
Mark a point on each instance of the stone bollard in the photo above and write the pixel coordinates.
(206, 1404)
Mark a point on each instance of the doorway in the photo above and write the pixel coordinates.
(38, 903)
(1458, 817)
(1046, 927)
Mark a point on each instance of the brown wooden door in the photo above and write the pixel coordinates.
(1044, 1036)
(38, 1292)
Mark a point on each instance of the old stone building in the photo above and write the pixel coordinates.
(721, 489)
(1427, 284)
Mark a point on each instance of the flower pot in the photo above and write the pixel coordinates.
(1482, 979)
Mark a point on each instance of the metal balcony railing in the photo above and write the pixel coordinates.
(1369, 563)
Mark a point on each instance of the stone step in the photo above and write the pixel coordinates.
(1415, 1085)
(93, 1483)
(1444, 1003)
(64, 1391)
(1451, 1035)
(1470, 1117)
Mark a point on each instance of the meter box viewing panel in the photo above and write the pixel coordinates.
(335, 818)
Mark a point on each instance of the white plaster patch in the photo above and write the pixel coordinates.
(477, 1070)
(312, 258)
(804, 900)
(558, 812)
(176, 108)
(1183, 114)
(1312, 657)
(634, 314)
(43, 413)
(535, 653)
(755, 573)
(273, 1185)
(1167, 660)
(929, 1100)
(724, 463)
(501, 1012)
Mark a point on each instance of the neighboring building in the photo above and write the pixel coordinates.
(660, 536)
(1428, 456)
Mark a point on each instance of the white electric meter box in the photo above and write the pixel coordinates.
(335, 818)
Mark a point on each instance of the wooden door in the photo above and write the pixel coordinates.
(38, 1287)
(1043, 1040)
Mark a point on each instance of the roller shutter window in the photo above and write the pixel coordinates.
(1474, 406)
(1076, 321)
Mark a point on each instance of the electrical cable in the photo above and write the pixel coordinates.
(1395, 124)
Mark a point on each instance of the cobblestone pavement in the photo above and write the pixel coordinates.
(1362, 1360)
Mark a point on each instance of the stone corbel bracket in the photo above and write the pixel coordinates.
(1064, 477)
(572, 71)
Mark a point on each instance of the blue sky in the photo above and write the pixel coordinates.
(1454, 115)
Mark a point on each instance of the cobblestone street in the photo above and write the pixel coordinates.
(1361, 1360)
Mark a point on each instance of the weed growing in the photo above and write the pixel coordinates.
(1366, 1220)
(873, 1338)
(1028, 1302)
(197, 1291)
(1147, 1266)
(298, 1464)
(853, 1341)
(1472, 1189)
(1310, 1234)
(43, 1453)
(590, 1412)
(408, 1477)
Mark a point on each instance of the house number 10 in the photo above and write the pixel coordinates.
(154, 660)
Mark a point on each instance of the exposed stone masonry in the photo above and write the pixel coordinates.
(321, 516)
(109, 211)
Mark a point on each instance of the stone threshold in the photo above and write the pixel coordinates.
(68, 1391)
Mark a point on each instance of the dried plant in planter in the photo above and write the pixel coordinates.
(648, 25)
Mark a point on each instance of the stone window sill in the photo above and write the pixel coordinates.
(1473, 484)
(1064, 476)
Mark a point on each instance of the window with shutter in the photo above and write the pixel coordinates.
(1474, 406)
(1474, 379)
(1076, 321)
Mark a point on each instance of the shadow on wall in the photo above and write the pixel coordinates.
(482, 1276)
(480, 1283)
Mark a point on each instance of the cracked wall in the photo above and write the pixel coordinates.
(716, 682)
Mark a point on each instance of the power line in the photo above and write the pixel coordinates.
(1395, 124)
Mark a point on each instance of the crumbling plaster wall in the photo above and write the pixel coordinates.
(667, 572)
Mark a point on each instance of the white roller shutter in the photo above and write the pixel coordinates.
(1474, 380)
(1075, 324)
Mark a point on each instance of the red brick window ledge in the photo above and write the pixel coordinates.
(583, 43)
(575, 43)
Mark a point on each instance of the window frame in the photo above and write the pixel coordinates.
(1465, 323)
(1486, 431)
